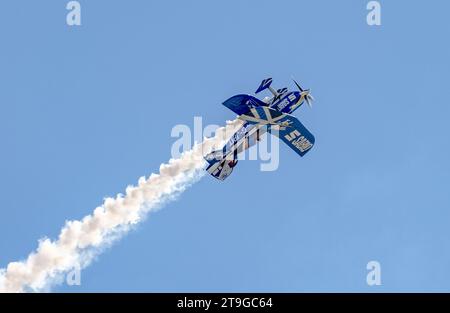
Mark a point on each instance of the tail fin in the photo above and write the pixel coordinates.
(220, 166)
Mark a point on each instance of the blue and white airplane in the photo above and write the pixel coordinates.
(262, 116)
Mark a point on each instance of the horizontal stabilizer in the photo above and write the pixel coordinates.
(220, 166)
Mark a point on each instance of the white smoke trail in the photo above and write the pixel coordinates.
(80, 241)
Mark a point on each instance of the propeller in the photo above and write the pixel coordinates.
(306, 93)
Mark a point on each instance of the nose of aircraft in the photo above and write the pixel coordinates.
(306, 93)
(308, 97)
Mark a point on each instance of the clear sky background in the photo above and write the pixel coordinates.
(85, 111)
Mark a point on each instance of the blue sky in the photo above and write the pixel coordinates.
(87, 110)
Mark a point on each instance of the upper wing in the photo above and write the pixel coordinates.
(241, 104)
(285, 126)
(295, 136)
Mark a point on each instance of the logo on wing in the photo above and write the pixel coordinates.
(298, 141)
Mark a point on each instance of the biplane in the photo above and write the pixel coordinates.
(261, 116)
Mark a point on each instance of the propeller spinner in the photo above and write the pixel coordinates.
(306, 93)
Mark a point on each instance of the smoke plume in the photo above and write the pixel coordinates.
(80, 241)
